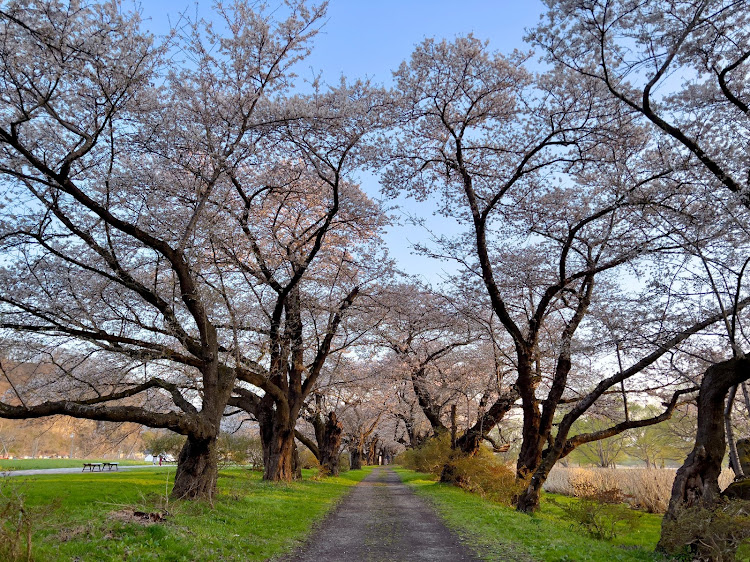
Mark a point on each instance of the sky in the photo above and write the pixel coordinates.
(369, 39)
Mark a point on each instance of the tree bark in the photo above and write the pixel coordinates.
(329, 443)
(532, 438)
(528, 500)
(355, 459)
(197, 469)
(277, 440)
(734, 460)
(278, 456)
(697, 480)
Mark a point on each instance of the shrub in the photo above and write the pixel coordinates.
(236, 449)
(430, 457)
(307, 459)
(601, 513)
(708, 534)
(344, 463)
(482, 474)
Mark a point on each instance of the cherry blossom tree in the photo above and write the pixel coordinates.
(121, 164)
(682, 67)
(551, 184)
(423, 332)
(309, 263)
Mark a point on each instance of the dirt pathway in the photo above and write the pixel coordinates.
(382, 520)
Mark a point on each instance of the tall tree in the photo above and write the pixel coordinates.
(307, 265)
(119, 161)
(496, 143)
(638, 49)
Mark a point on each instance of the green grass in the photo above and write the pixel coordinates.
(501, 533)
(77, 515)
(33, 464)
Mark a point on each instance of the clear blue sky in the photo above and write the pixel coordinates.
(370, 38)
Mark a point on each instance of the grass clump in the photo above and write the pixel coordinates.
(15, 523)
(601, 513)
(721, 534)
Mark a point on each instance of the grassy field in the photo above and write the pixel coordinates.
(33, 464)
(501, 533)
(90, 517)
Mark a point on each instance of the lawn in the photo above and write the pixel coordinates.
(501, 533)
(89, 517)
(33, 464)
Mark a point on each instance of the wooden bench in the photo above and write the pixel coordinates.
(92, 466)
(110, 465)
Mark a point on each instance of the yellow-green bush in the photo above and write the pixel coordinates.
(307, 459)
(601, 513)
(482, 474)
(430, 457)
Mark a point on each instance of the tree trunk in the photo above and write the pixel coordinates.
(279, 449)
(355, 455)
(697, 481)
(278, 456)
(533, 438)
(372, 448)
(532, 443)
(734, 460)
(329, 445)
(528, 500)
(197, 469)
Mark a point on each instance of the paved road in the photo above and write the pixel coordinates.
(74, 470)
(382, 520)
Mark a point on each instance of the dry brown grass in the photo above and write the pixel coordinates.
(645, 488)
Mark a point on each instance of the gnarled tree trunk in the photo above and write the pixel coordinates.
(355, 457)
(197, 469)
(697, 480)
(329, 442)
(470, 441)
(277, 440)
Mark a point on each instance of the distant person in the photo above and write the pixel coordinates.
(153, 459)
(160, 459)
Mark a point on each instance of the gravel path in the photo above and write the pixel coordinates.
(382, 520)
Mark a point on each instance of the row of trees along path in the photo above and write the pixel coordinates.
(186, 242)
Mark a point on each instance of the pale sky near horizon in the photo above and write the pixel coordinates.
(369, 39)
